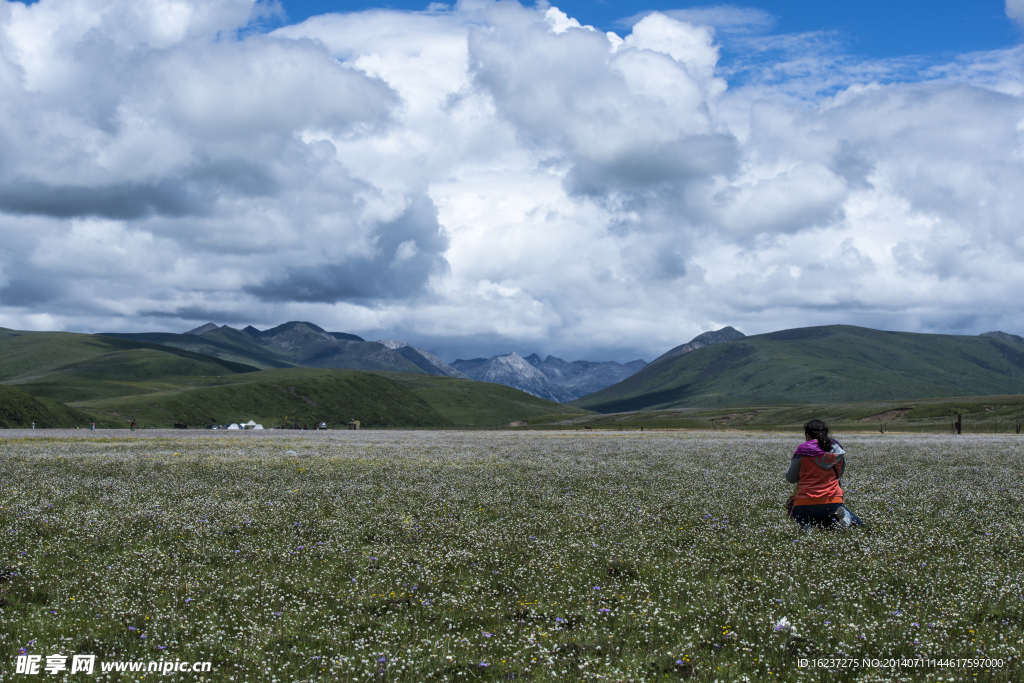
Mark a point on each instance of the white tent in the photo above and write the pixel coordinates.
(249, 425)
(233, 426)
(258, 427)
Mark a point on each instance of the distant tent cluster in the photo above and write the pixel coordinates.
(248, 425)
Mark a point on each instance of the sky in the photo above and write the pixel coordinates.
(872, 28)
(598, 181)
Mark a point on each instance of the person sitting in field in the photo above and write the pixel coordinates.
(817, 468)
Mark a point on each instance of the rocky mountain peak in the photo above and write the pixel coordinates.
(726, 334)
(208, 327)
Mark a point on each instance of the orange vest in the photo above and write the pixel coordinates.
(818, 485)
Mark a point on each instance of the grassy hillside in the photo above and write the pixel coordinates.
(224, 343)
(479, 404)
(305, 396)
(71, 390)
(66, 357)
(821, 365)
(77, 367)
(19, 410)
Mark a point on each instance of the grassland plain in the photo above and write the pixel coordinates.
(979, 414)
(541, 556)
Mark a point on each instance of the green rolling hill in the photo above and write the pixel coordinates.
(225, 343)
(65, 366)
(821, 365)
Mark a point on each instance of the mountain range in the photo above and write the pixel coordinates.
(302, 372)
(298, 344)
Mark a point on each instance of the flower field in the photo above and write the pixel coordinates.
(535, 556)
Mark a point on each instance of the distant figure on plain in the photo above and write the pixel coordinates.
(817, 468)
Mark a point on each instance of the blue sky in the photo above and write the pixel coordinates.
(872, 28)
(495, 177)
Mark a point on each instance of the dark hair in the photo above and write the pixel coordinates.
(818, 431)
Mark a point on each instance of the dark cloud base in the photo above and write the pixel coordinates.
(386, 276)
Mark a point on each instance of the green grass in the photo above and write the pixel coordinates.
(496, 556)
(18, 409)
(818, 365)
